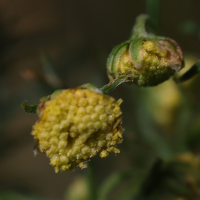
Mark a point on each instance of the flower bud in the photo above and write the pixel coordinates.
(75, 125)
(146, 60)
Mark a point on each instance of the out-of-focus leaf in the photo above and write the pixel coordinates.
(14, 195)
(151, 135)
(78, 189)
(190, 28)
(176, 187)
(194, 70)
(152, 181)
(112, 181)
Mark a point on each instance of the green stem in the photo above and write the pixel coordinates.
(153, 8)
(113, 84)
(91, 184)
(139, 28)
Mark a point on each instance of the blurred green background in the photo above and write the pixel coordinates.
(47, 45)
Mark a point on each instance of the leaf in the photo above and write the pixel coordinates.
(194, 70)
(29, 109)
(112, 181)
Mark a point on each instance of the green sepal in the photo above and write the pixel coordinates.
(46, 98)
(111, 58)
(88, 86)
(29, 109)
(54, 94)
(117, 58)
(134, 49)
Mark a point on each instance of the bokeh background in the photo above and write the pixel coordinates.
(47, 45)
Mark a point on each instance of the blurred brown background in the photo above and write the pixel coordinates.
(77, 36)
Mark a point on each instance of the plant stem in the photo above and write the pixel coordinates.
(139, 28)
(153, 7)
(113, 84)
(91, 184)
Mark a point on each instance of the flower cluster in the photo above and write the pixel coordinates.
(77, 124)
(147, 61)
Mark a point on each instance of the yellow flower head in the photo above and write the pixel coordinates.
(77, 124)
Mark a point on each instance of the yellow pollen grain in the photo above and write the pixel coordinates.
(99, 109)
(65, 124)
(81, 111)
(56, 127)
(149, 46)
(94, 117)
(86, 119)
(53, 140)
(44, 135)
(109, 136)
(62, 144)
(81, 127)
(89, 109)
(104, 154)
(103, 117)
(82, 102)
(64, 159)
(73, 108)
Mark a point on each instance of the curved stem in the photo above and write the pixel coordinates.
(113, 84)
(139, 28)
